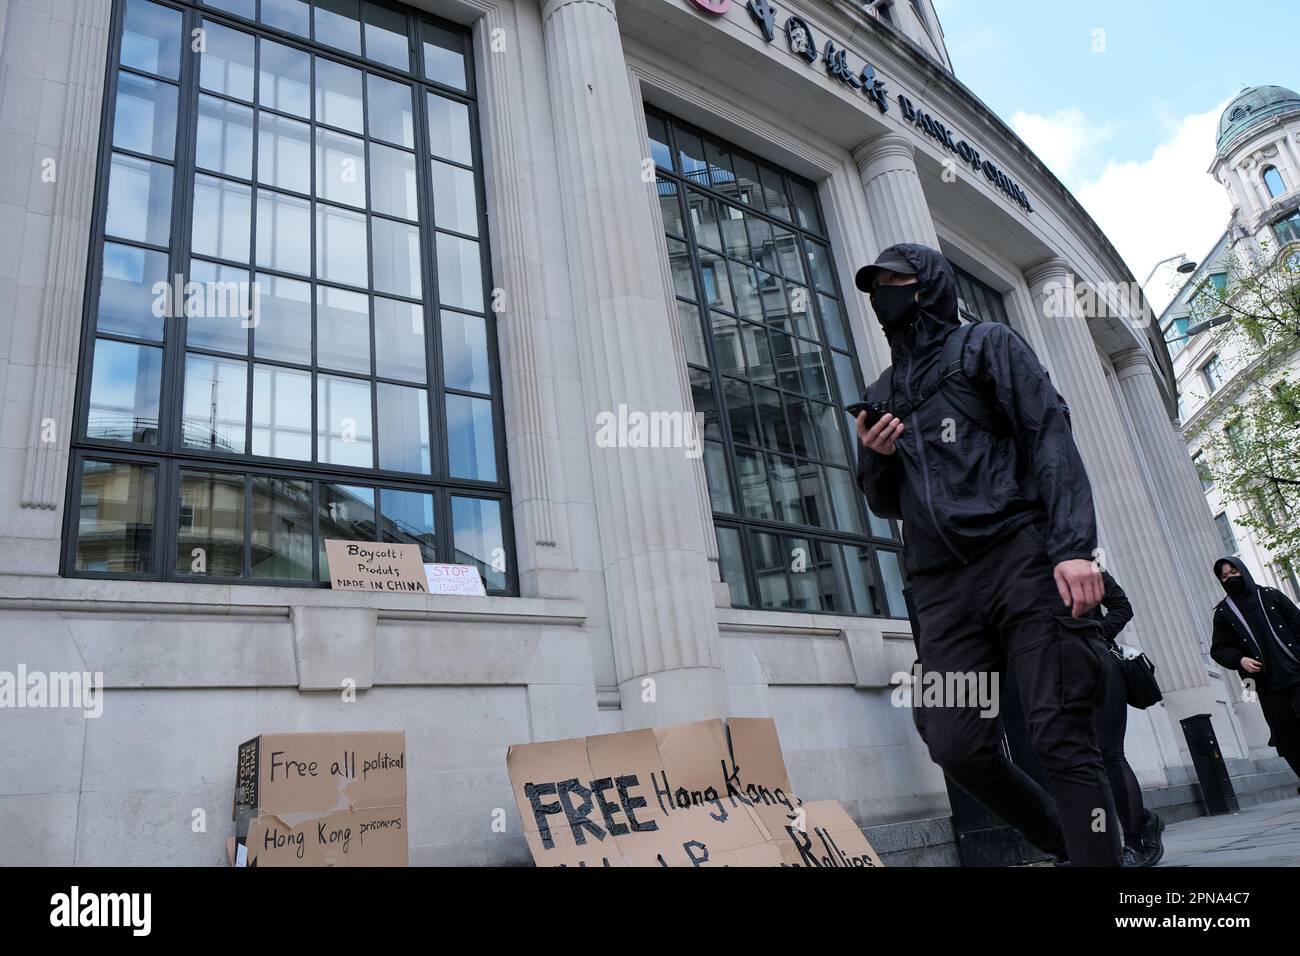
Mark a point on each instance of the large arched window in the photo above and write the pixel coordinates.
(286, 332)
(1273, 181)
(771, 368)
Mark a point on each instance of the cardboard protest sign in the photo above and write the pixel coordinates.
(454, 579)
(366, 566)
(700, 794)
(330, 799)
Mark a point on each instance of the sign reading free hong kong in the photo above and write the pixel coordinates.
(700, 794)
(802, 42)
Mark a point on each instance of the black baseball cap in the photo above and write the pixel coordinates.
(890, 260)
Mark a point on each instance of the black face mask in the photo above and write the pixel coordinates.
(895, 305)
(1235, 586)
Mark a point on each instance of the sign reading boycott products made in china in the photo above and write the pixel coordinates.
(701, 794)
(366, 566)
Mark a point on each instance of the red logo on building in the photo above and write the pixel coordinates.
(718, 7)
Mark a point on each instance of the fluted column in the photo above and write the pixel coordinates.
(59, 321)
(1188, 524)
(1185, 516)
(1134, 540)
(657, 576)
(896, 205)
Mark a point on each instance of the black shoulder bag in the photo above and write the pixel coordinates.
(1140, 679)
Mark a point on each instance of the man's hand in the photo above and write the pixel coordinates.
(881, 436)
(1251, 666)
(1079, 584)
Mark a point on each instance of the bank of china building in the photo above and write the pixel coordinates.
(488, 239)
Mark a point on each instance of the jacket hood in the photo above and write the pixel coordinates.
(937, 301)
(1240, 566)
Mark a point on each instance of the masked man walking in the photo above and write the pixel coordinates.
(1257, 634)
(976, 457)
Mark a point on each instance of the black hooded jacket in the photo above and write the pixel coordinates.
(959, 498)
(1270, 634)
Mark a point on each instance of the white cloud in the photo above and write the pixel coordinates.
(1162, 205)
(1060, 140)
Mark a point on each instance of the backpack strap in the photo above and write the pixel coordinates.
(963, 393)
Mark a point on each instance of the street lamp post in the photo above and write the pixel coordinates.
(1199, 327)
(1185, 266)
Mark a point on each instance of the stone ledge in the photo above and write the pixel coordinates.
(87, 595)
(747, 621)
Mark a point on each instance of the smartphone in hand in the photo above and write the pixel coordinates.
(874, 411)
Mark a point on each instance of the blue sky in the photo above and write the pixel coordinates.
(1130, 127)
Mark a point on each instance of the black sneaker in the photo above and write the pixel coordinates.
(1151, 847)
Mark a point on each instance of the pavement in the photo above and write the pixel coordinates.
(1264, 835)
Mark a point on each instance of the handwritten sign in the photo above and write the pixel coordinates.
(700, 794)
(321, 799)
(454, 579)
(366, 566)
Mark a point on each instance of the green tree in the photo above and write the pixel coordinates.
(1255, 457)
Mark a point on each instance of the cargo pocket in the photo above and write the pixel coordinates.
(1083, 661)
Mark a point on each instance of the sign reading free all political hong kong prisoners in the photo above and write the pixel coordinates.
(365, 566)
(321, 799)
(701, 794)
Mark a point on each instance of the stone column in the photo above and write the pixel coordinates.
(896, 205)
(657, 575)
(54, 381)
(1184, 514)
(1176, 488)
(1134, 540)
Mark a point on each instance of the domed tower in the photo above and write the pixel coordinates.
(1258, 161)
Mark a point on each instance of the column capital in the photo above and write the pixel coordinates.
(550, 6)
(1048, 270)
(886, 145)
(1131, 361)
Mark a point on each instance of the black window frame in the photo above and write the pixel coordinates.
(743, 524)
(968, 284)
(169, 456)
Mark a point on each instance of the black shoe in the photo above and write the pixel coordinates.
(1133, 858)
(1151, 846)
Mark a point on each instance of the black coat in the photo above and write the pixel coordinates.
(1118, 609)
(959, 498)
(1232, 640)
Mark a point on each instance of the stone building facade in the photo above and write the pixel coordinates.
(655, 205)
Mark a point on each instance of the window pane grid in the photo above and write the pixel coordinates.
(262, 390)
(756, 290)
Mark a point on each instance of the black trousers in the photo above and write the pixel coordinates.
(1002, 611)
(1282, 713)
(1111, 723)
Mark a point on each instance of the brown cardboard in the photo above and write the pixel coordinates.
(700, 794)
(373, 837)
(368, 566)
(830, 838)
(322, 799)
